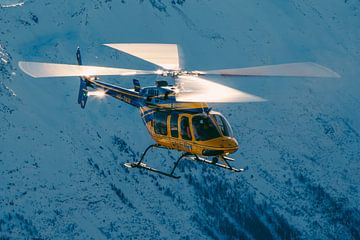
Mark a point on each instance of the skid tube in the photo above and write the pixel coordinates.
(215, 162)
(185, 155)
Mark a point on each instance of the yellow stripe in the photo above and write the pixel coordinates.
(182, 105)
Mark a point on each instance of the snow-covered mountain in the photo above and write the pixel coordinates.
(61, 167)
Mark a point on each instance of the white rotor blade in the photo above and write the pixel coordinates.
(196, 89)
(306, 69)
(163, 55)
(38, 70)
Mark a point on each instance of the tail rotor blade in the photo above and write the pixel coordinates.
(39, 70)
(306, 69)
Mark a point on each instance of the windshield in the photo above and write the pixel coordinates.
(223, 125)
(204, 128)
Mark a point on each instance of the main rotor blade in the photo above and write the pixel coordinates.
(196, 89)
(38, 70)
(306, 69)
(163, 55)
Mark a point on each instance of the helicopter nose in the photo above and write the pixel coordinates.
(222, 146)
(230, 143)
(233, 143)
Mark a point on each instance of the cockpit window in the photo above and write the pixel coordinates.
(223, 125)
(204, 128)
(185, 128)
(160, 126)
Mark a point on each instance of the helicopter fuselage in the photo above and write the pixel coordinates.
(183, 126)
(176, 117)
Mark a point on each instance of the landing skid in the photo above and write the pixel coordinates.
(226, 164)
(144, 166)
(188, 156)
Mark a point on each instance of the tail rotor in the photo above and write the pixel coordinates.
(83, 96)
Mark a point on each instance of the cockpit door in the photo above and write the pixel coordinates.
(185, 128)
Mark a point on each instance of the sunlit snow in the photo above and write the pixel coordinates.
(11, 3)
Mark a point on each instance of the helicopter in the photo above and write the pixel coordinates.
(177, 117)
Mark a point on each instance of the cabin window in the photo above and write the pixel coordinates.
(152, 92)
(204, 128)
(160, 123)
(224, 125)
(185, 128)
(174, 125)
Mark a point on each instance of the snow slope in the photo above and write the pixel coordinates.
(61, 167)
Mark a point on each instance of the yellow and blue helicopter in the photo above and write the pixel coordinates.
(177, 116)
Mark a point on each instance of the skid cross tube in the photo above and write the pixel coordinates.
(146, 150)
(227, 163)
(177, 162)
(141, 164)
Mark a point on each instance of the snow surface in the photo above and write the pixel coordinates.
(61, 167)
(11, 3)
